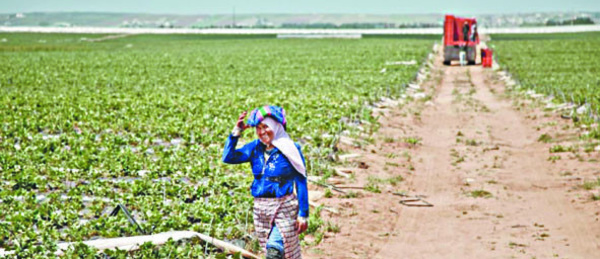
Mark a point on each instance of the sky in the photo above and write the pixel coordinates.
(299, 6)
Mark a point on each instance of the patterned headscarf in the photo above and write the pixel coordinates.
(259, 114)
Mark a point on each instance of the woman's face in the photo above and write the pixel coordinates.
(264, 133)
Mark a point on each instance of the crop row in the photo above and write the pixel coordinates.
(563, 66)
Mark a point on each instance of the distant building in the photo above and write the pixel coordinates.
(165, 24)
(16, 16)
(263, 23)
(63, 24)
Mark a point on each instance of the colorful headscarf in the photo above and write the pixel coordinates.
(259, 114)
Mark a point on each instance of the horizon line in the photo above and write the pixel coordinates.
(307, 13)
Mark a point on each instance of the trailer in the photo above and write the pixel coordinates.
(460, 34)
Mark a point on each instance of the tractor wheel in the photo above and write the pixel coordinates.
(447, 62)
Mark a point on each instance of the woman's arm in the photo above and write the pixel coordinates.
(302, 190)
(236, 156)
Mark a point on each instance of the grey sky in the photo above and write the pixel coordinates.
(299, 6)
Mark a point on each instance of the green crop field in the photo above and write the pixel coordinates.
(141, 121)
(565, 66)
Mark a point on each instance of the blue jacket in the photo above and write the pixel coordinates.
(278, 177)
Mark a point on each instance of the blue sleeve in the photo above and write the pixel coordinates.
(236, 156)
(302, 189)
(301, 155)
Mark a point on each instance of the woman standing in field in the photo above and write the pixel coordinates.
(277, 164)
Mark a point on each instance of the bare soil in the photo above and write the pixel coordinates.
(497, 192)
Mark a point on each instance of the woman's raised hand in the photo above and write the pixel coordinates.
(240, 125)
(240, 122)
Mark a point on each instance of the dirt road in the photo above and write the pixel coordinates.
(497, 191)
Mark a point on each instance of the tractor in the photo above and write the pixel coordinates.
(460, 35)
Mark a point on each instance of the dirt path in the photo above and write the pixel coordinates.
(496, 191)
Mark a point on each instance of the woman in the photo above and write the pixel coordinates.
(277, 164)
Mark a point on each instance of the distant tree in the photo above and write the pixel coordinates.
(309, 25)
(583, 20)
(419, 25)
(576, 21)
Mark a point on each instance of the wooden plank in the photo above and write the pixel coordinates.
(134, 242)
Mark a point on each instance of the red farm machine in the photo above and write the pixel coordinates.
(460, 35)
